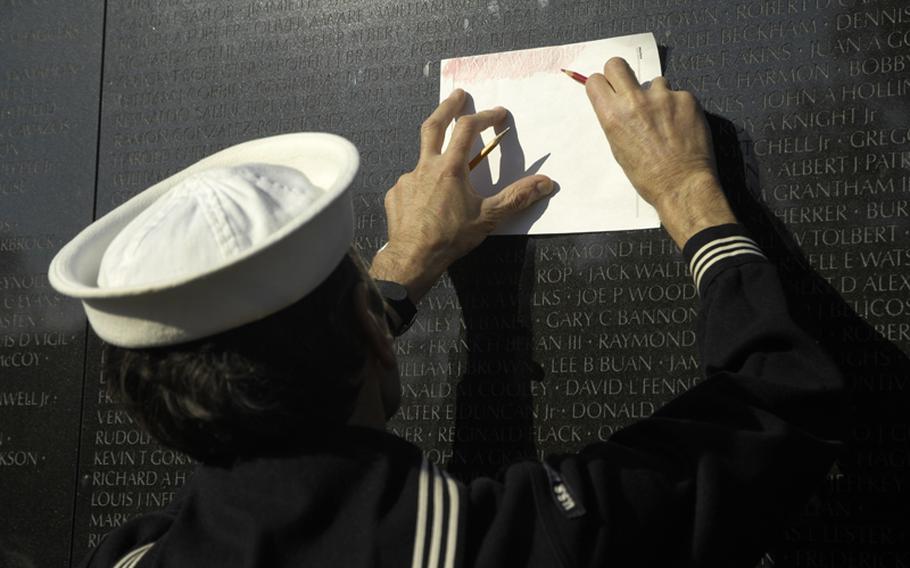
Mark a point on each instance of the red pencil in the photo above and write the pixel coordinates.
(577, 76)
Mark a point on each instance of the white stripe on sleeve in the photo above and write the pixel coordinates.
(421, 525)
(712, 248)
(452, 538)
(711, 244)
(707, 261)
(436, 532)
(710, 253)
(133, 557)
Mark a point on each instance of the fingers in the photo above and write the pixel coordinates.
(600, 93)
(468, 127)
(597, 84)
(433, 129)
(516, 197)
(620, 75)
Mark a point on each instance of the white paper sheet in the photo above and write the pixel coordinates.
(554, 132)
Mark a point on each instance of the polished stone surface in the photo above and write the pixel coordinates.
(49, 87)
(528, 345)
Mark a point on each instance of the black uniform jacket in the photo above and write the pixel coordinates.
(707, 480)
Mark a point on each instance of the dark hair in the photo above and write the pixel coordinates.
(255, 389)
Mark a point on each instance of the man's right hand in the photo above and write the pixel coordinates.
(662, 141)
(434, 214)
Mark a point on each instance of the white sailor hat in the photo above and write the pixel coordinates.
(229, 240)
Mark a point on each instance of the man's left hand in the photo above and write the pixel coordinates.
(434, 214)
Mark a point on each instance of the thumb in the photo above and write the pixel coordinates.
(516, 197)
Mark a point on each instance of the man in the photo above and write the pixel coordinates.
(285, 401)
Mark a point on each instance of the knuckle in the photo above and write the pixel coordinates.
(625, 108)
(400, 182)
(466, 122)
(592, 82)
(687, 98)
(636, 99)
(516, 200)
(658, 101)
(659, 93)
(429, 125)
(615, 62)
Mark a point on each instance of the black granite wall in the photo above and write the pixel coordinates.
(50, 65)
(527, 346)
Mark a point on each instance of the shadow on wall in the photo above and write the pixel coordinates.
(512, 167)
(494, 421)
(493, 402)
(862, 507)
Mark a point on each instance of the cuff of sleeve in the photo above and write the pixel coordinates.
(711, 251)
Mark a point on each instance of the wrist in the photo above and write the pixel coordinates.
(400, 310)
(411, 268)
(697, 204)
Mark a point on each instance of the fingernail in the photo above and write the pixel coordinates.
(545, 187)
(457, 93)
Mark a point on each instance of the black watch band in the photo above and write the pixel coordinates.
(397, 300)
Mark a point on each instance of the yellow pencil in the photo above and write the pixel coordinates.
(487, 149)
